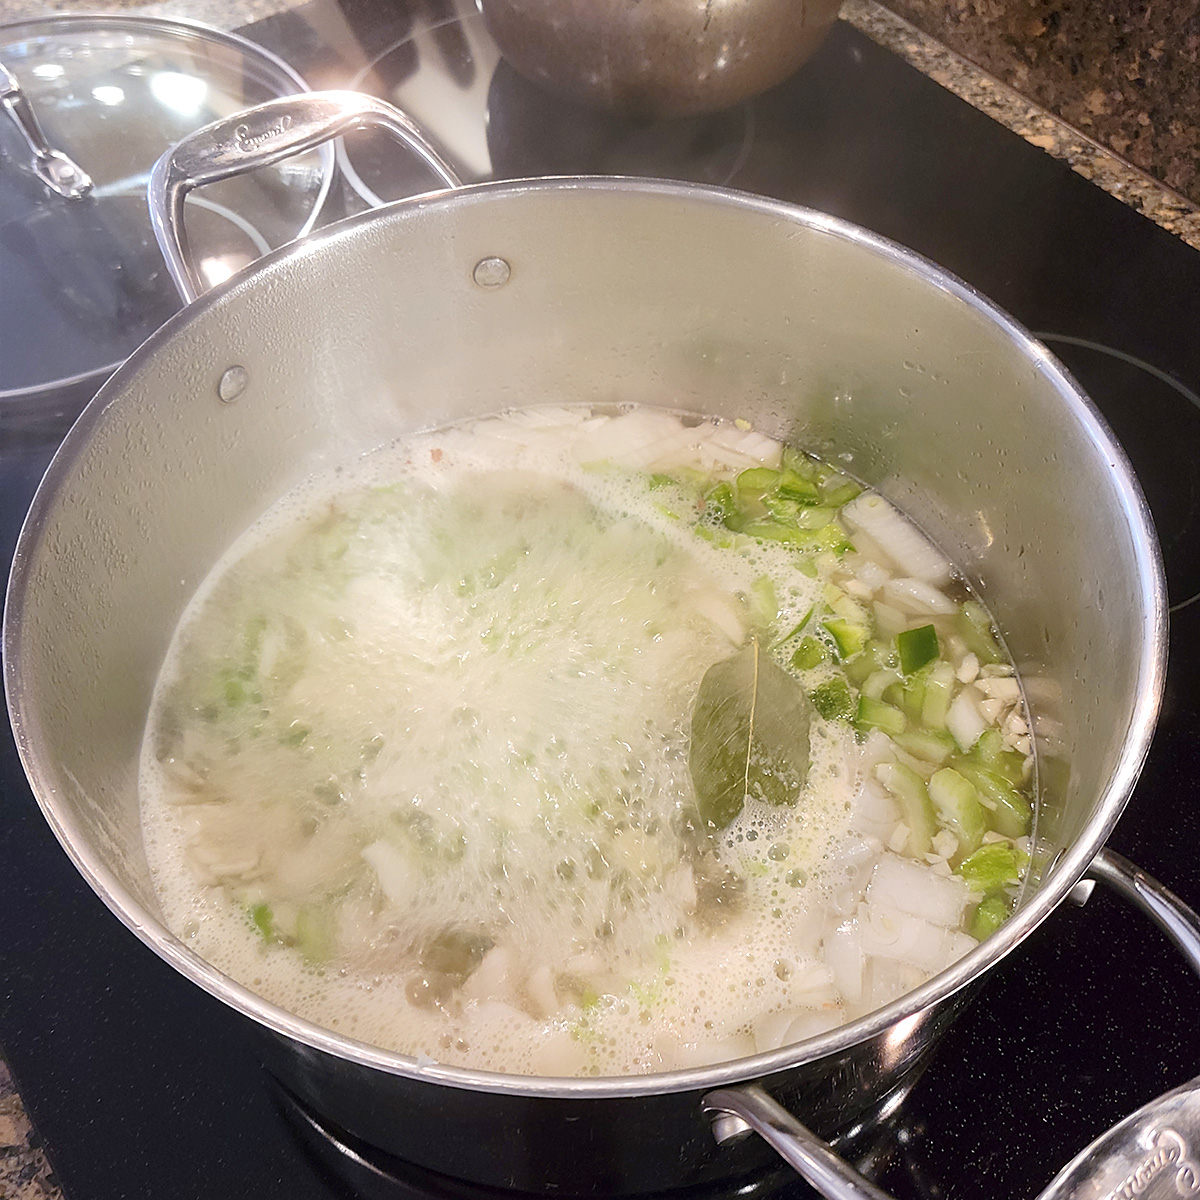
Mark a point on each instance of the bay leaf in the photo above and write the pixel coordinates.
(749, 736)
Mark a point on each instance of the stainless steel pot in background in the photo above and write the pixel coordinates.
(668, 58)
(593, 290)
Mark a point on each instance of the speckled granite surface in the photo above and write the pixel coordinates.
(1165, 71)
(1010, 107)
(1126, 72)
(24, 1172)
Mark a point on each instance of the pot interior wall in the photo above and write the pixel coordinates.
(617, 293)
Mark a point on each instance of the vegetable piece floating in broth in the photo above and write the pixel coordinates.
(585, 742)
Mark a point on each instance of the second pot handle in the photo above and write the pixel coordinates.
(738, 1110)
(1179, 922)
(260, 137)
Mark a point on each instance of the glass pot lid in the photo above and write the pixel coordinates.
(83, 280)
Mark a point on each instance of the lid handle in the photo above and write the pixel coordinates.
(260, 137)
(58, 172)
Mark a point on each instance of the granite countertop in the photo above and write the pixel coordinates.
(25, 1173)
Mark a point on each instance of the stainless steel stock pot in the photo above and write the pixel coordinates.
(589, 289)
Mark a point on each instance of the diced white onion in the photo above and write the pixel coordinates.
(867, 571)
(915, 596)
(968, 669)
(559, 1054)
(814, 1023)
(844, 954)
(1004, 688)
(889, 620)
(539, 988)
(1015, 724)
(770, 1030)
(945, 844)
(737, 446)
(492, 979)
(904, 544)
(908, 887)
(719, 608)
(887, 980)
(909, 939)
(392, 868)
(874, 811)
(965, 719)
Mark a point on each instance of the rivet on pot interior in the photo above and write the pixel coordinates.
(232, 383)
(491, 272)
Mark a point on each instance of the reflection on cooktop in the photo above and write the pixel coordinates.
(490, 123)
(884, 1146)
(532, 134)
(1158, 424)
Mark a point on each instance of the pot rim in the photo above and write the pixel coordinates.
(1062, 874)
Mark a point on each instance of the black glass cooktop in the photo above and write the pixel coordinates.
(141, 1086)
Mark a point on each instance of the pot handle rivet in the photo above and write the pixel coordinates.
(232, 383)
(491, 272)
(729, 1127)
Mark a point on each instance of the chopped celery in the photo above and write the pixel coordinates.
(838, 490)
(957, 805)
(786, 512)
(991, 913)
(833, 537)
(263, 920)
(832, 699)
(875, 657)
(927, 745)
(721, 502)
(939, 690)
(756, 480)
(846, 606)
(875, 714)
(913, 698)
(916, 809)
(814, 518)
(879, 682)
(917, 648)
(295, 734)
(989, 752)
(773, 531)
(810, 653)
(795, 629)
(800, 463)
(764, 607)
(314, 933)
(975, 627)
(1011, 813)
(849, 637)
(994, 865)
(793, 486)
(660, 481)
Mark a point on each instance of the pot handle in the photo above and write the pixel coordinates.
(1179, 922)
(737, 1111)
(260, 137)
